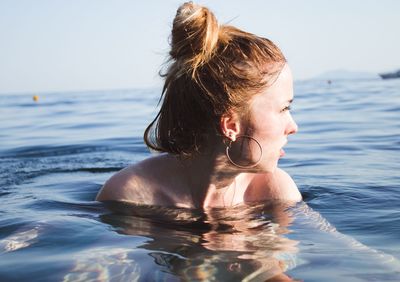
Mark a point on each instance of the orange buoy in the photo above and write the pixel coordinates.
(35, 98)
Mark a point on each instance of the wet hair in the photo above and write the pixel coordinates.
(212, 69)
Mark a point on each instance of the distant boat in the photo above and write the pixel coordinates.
(389, 75)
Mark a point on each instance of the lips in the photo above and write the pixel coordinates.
(281, 151)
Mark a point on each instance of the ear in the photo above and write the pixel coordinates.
(230, 125)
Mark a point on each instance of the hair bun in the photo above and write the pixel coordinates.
(194, 35)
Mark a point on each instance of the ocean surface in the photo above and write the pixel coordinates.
(56, 153)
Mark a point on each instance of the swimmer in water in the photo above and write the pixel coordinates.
(223, 122)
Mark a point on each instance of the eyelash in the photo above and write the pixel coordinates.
(288, 108)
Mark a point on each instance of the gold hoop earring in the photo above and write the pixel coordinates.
(228, 147)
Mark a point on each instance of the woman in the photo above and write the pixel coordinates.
(223, 122)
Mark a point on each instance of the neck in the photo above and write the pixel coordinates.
(211, 180)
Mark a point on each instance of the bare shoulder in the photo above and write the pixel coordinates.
(272, 186)
(287, 186)
(121, 185)
(135, 183)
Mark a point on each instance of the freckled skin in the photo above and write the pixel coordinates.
(210, 180)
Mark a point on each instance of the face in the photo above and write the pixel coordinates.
(270, 120)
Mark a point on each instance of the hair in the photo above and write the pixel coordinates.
(212, 69)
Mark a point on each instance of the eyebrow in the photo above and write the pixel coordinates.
(291, 100)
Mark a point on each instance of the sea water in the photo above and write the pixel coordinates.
(56, 152)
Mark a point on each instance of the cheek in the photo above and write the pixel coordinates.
(269, 129)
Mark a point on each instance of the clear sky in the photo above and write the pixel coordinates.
(62, 45)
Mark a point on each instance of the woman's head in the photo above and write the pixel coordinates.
(213, 70)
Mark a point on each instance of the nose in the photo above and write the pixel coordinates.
(292, 127)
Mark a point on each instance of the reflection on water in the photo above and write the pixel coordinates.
(241, 243)
(104, 264)
(257, 242)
